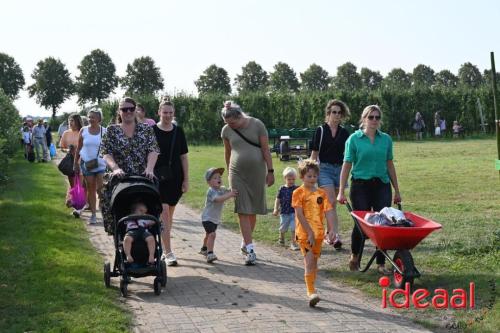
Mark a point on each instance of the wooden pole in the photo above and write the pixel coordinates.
(497, 119)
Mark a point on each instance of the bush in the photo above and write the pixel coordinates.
(10, 123)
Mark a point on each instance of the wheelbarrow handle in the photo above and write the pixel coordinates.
(349, 208)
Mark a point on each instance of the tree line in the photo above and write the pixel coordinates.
(278, 97)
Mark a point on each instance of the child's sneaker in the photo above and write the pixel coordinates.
(313, 300)
(251, 258)
(281, 242)
(337, 243)
(243, 251)
(203, 251)
(294, 247)
(211, 257)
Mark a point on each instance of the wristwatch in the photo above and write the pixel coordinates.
(270, 170)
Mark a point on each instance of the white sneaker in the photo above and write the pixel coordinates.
(294, 247)
(243, 251)
(251, 258)
(203, 252)
(169, 259)
(211, 257)
(313, 300)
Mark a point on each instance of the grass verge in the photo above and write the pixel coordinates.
(451, 181)
(50, 275)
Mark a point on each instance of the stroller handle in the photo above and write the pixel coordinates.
(136, 178)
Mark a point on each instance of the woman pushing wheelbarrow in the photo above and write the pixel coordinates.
(368, 156)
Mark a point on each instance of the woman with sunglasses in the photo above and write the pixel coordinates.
(129, 148)
(368, 156)
(328, 149)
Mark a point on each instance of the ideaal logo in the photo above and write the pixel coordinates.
(460, 298)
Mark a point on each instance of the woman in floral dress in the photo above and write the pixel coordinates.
(129, 148)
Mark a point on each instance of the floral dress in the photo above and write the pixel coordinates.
(130, 154)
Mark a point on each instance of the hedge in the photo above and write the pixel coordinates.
(10, 124)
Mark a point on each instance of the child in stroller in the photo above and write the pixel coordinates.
(137, 254)
(138, 229)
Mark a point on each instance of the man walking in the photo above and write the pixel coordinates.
(39, 139)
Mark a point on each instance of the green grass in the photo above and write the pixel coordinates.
(454, 182)
(50, 275)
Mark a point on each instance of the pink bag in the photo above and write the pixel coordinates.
(77, 194)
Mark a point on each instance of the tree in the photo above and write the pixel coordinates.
(53, 84)
(470, 76)
(214, 80)
(397, 78)
(283, 78)
(488, 80)
(11, 76)
(372, 80)
(253, 78)
(447, 79)
(423, 76)
(97, 78)
(347, 77)
(315, 78)
(142, 77)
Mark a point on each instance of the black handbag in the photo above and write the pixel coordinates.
(164, 172)
(66, 165)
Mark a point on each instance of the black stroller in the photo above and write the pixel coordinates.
(125, 192)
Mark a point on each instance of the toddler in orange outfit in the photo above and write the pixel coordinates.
(311, 205)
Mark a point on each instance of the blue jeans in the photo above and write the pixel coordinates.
(365, 195)
(287, 221)
(329, 175)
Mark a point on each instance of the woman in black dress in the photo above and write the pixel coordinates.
(171, 170)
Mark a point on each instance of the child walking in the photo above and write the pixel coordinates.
(211, 216)
(287, 213)
(311, 205)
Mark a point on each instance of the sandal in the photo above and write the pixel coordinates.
(354, 263)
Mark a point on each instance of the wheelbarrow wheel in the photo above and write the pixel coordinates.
(404, 261)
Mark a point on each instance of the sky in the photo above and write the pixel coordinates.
(184, 37)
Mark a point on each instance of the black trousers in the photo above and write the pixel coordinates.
(372, 194)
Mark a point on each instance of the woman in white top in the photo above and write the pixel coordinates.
(87, 158)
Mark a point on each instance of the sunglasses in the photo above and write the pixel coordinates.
(374, 117)
(336, 112)
(129, 109)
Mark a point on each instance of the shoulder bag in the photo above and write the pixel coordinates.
(244, 138)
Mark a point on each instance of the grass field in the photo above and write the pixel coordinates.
(50, 275)
(451, 181)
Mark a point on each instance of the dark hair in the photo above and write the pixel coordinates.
(137, 202)
(124, 100)
(77, 119)
(139, 106)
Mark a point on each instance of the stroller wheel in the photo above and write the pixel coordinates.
(404, 261)
(163, 268)
(157, 285)
(107, 274)
(123, 288)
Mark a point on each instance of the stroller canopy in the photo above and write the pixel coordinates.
(130, 189)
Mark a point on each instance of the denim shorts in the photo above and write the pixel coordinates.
(287, 221)
(86, 173)
(329, 175)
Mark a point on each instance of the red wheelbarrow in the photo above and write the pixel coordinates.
(400, 239)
